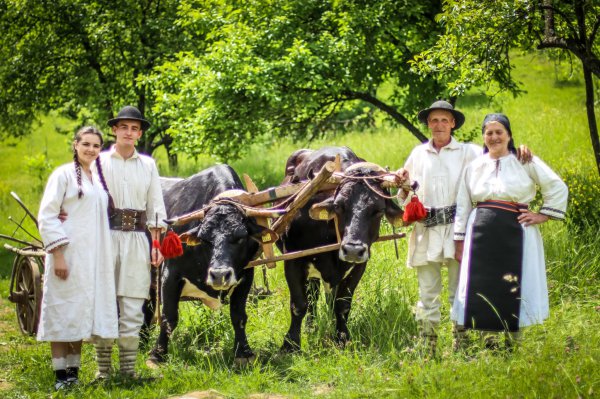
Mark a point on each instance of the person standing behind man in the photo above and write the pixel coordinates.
(133, 181)
(437, 165)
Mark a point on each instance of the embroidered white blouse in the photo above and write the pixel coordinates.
(507, 179)
(84, 304)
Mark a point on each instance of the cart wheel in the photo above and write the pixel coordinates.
(26, 292)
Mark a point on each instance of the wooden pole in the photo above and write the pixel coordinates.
(303, 196)
(315, 251)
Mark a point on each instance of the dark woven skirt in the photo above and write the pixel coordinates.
(493, 286)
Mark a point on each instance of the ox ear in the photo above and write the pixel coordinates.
(393, 213)
(322, 210)
(263, 235)
(190, 237)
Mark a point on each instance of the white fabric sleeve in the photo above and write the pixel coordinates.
(155, 205)
(554, 191)
(464, 206)
(51, 230)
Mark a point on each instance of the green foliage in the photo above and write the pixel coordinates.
(277, 68)
(475, 49)
(584, 191)
(39, 166)
(83, 58)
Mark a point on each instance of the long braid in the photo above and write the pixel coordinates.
(111, 204)
(78, 173)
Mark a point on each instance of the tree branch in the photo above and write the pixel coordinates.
(398, 117)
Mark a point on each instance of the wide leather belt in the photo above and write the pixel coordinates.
(127, 220)
(439, 216)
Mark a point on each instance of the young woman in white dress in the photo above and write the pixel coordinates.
(79, 290)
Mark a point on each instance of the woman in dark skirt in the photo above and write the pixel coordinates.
(502, 284)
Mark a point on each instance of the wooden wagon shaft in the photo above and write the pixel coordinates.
(267, 249)
(29, 244)
(303, 196)
(25, 252)
(389, 181)
(315, 251)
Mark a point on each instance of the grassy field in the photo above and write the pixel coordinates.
(559, 359)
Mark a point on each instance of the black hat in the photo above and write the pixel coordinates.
(132, 113)
(444, 106)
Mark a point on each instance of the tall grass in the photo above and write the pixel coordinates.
(558, 359)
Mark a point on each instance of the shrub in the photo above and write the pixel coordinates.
(584, 190)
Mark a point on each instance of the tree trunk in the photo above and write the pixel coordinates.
(591, 115)
(172, 161)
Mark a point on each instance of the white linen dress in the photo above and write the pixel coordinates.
(84, 304)
(507, 179)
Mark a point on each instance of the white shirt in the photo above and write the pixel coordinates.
(438, 176)
(133, 183)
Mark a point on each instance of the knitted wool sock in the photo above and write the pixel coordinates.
(73, 364)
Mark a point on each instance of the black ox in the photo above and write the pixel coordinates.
(212, 265)
(358, 209)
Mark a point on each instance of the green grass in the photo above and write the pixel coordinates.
(558, 359)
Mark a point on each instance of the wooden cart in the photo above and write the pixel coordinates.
(25, 289)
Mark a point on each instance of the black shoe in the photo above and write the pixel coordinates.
(61, 385)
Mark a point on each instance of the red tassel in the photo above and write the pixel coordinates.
(171, 245)
(414, 211)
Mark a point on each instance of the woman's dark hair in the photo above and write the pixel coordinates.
(78, 137)
(503, 120)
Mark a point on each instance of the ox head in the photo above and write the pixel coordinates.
(359, 206)
(228, 238)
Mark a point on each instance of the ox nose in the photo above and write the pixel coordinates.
(354, 252)
(221, 278)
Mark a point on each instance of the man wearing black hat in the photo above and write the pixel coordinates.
(437, 166)
(133, 182)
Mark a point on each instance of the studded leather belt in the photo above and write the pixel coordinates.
(127, 220)
(438, 216)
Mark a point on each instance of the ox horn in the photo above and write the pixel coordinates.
(184, 219)
(366, 165)
(263, 213)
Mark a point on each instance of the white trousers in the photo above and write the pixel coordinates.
(131, 316)
(428, 313)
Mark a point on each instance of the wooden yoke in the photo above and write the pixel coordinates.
(267, 248)
(303, 196)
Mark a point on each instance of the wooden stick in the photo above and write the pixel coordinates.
(303, 196)
(24, 252)
(315, 251)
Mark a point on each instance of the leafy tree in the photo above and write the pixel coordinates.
(86, 59)
(297, 68)
(479, 35)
